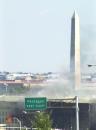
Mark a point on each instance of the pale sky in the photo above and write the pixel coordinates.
(35, 34)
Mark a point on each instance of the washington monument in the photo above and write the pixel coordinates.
(75, 51)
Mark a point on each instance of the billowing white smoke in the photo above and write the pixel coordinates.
(61, 88)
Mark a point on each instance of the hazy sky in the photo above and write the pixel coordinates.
(35, 34)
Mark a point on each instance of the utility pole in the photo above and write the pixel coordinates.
(77, 114)
(18, 122)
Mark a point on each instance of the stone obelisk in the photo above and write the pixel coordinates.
(75, 51)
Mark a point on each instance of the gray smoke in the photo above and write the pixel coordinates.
(61, 88)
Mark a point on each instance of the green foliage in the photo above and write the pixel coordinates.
(42, 121)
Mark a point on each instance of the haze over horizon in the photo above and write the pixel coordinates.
(35, 35)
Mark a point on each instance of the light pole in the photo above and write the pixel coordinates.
(92, 69)
(25, 127)
(77, 113)
(6, 85)
(89, 65)
(18, 121)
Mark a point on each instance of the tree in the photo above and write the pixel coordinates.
(42, 121)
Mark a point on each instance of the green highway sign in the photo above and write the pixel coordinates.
(38, 103)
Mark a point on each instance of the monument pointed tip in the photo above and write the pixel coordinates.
(74, 14)
(74, 11)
